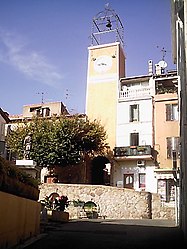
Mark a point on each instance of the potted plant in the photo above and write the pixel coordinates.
(91, 210)
(141, 148)
(55, 206)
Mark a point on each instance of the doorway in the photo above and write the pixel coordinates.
(129, 181)
(98, 175)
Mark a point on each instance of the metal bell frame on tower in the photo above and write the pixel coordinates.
(107, 25)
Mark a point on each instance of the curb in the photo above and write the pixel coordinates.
(31, 241)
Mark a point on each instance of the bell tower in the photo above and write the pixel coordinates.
(106, 65)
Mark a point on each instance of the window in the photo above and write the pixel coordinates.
(172, 145)
(142, 180)
(34, 109)
(172, 112)
(45, 112)
(166, 189)
(134, 139)
(134, 113)
(8, 130)
(38, 112)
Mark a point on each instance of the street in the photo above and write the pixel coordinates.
(108, 234)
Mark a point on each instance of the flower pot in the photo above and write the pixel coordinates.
(60, 216)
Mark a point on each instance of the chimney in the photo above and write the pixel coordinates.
(158, 69)
(150, 67)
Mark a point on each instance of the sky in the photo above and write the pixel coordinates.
(44, 47)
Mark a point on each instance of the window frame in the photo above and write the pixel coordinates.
(171, 114)
(165, 187)
(134, 139)
(142, 185)
(132, 116)
(172, 145)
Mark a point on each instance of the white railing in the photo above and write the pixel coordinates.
(130, 93)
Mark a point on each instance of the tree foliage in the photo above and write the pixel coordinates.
(58, 141)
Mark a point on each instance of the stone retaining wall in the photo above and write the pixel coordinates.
(160, 210)
(113, 202)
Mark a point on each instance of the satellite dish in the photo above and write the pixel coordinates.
(162, 64)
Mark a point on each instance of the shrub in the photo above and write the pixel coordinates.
(14, 181)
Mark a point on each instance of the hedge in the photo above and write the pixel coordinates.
(15, 181)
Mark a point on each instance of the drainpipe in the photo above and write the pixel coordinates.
(176, 182)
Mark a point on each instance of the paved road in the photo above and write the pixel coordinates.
(109, 234)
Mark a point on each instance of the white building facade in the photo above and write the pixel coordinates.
(139, 162)
(134, 136)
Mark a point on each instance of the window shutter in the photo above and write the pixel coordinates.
(130, 113)
(169, 147)
(138, 112)
(168, 112)
(176, 146)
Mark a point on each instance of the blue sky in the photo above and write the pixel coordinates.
(43, 47)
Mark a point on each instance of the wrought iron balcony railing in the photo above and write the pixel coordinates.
(140, 150)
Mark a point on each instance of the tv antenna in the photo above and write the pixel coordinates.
(42, 96)
(162, 63)
(67, 94)
(163, 51)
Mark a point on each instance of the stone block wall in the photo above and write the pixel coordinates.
(160, 210)
(112, 202)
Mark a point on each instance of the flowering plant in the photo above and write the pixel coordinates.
(55, 202)
(62, 203)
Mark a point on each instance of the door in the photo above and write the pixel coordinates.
(128, 181)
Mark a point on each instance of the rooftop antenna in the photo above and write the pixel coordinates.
(162, 63)
(42, 96)
(67, 93)
(163, 53)
(107, 27)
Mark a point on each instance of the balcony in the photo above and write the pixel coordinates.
(132, 93)
(129, 151)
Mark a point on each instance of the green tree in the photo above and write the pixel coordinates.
(58, 141)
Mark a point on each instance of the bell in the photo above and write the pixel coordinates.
(109, 25)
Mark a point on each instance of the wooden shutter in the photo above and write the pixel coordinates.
(169, 146)
(168, 112)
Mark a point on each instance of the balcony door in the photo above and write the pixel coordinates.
(134, 139)
(129, 181)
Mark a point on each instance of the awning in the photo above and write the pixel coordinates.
(164, 173)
